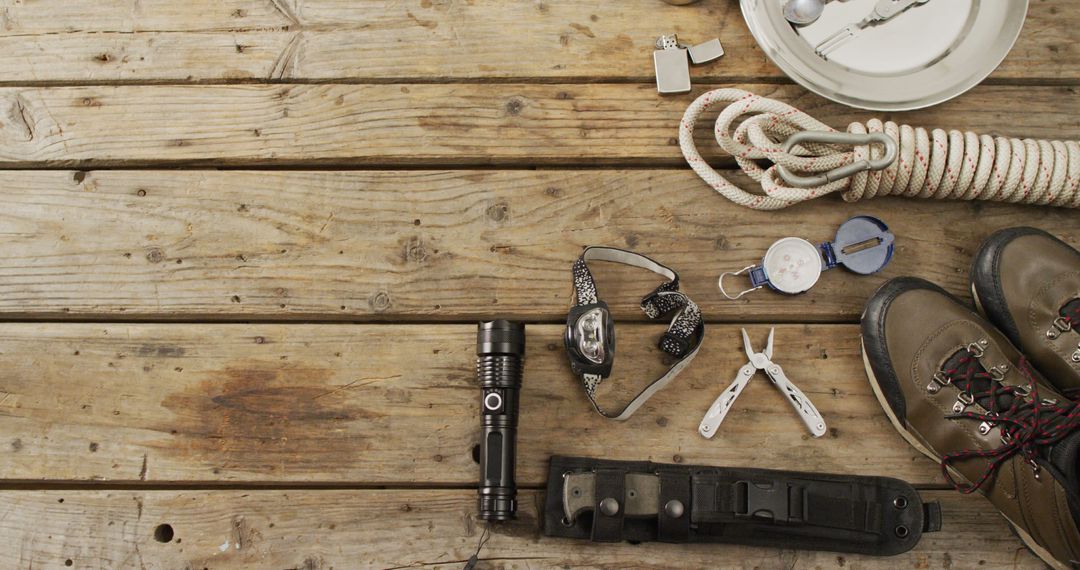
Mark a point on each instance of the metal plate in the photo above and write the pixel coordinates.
(793, 265)
(924, 56)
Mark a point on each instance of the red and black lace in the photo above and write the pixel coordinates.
(1071, 314)
(1029, 424)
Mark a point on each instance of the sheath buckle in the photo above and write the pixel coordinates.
(752, 501)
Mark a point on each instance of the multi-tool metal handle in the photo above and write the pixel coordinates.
(710, 424)
(807, 412)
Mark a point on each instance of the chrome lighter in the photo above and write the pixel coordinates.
(672, 62)
(672, 66)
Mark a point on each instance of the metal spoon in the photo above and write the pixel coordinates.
(803, 12)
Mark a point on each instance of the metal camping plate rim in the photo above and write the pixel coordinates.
(810, 249)
(796, 58)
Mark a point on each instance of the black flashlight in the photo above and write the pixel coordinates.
(500, 352)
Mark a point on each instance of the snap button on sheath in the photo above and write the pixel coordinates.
(609, 507)
(674, 509)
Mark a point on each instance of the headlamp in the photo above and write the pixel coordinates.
(590, 328)
(590, 339)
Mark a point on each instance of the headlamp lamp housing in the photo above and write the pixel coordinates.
(590, 339)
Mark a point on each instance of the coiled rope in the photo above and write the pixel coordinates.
(936, 164)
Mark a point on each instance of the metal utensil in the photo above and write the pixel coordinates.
(883, 11)
(803, 12)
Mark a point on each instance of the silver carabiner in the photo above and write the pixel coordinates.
(892, 150)
(720, 282)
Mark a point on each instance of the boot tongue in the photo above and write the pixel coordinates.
(1065, 457)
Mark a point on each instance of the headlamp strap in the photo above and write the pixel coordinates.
(683, 336)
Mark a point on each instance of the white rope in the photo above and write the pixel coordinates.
(937, 164)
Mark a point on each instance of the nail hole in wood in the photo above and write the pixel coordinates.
(163, 533)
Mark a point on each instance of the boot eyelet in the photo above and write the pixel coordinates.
(902, 531)
(900, 502)
(1075, 356)
(933, 387)
(977, 348)
(1052, 334)
(984, 428)
(966, 398)
(1062, 324)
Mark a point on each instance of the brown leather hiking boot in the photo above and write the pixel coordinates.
(1027, 282)
(960, 393)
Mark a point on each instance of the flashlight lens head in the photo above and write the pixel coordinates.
(500, 337)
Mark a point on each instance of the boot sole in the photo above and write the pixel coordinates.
(914, 441)
(978, 303)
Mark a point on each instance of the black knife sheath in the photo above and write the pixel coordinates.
(612, 501)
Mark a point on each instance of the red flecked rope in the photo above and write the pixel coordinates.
(931, 164)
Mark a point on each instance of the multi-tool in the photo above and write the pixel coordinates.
(762, 361)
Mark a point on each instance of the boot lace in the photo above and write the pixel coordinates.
(1028, 423)
(1068, 320)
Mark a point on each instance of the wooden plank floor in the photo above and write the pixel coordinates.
(245, 242)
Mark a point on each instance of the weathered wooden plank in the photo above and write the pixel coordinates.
(56, 17)
(319, 530)
(382, 404)
(424, 124)
(431, 245)
(334, 40)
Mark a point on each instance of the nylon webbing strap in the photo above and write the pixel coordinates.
(832, 512)
(682, 338)
(720, 501)
(675, 499)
